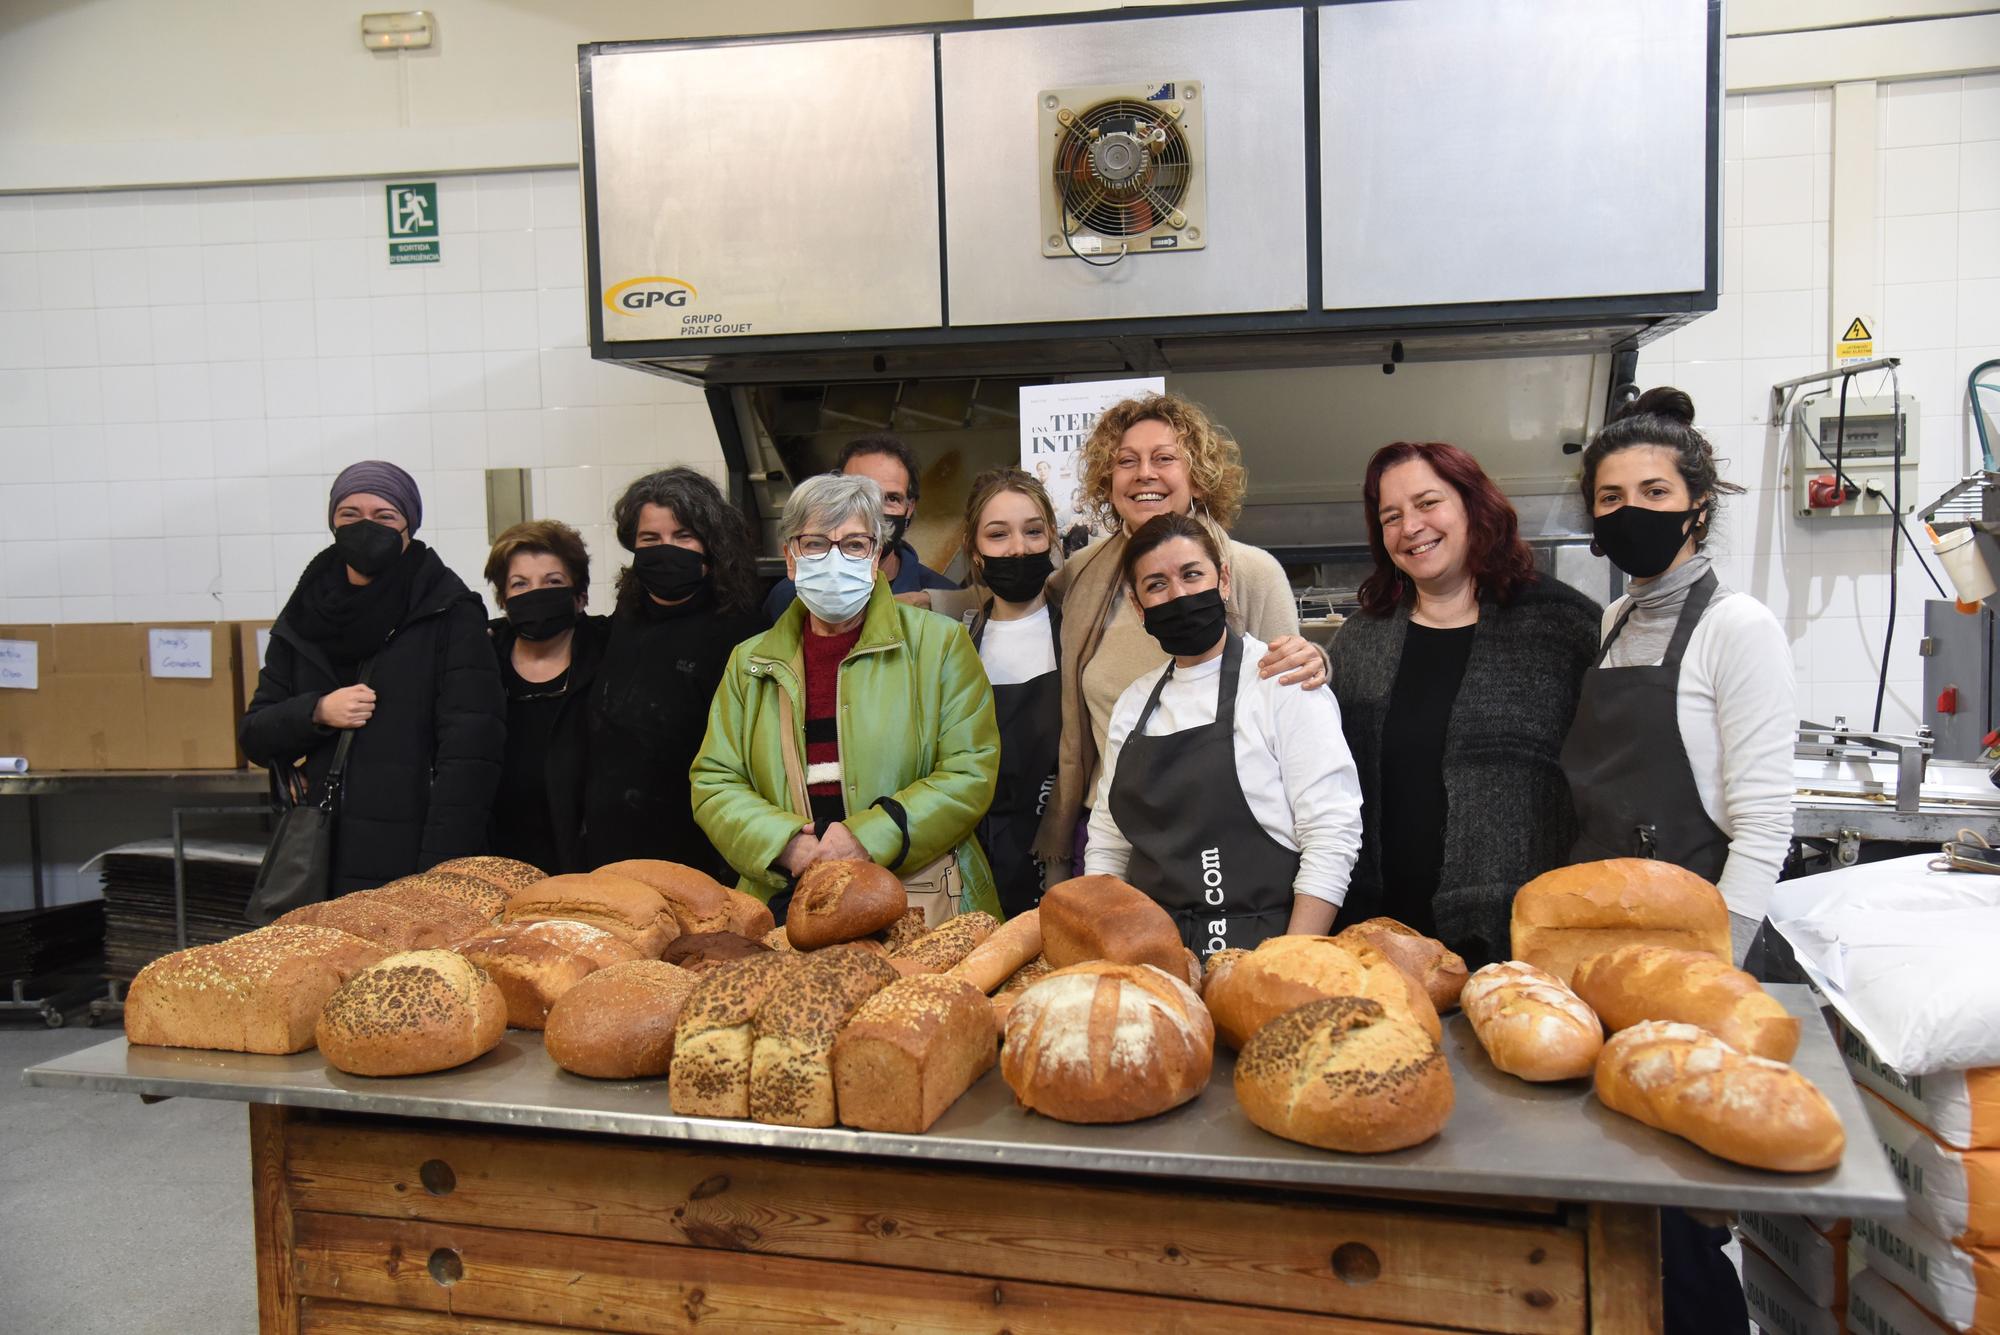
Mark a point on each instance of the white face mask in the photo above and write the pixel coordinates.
(836, 586)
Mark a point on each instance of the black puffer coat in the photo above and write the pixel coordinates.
(421, 773)
(565, 773)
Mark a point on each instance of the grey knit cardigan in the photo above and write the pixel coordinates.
(1509, 817)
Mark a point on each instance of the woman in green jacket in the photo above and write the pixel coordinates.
(856, 727)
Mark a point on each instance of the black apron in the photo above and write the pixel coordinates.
(1635, 796)
(1196, 847)
(1029, 715)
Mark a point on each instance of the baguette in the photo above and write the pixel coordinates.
(1001, 955)
(1530, 1024)
(1635, 983)
(1686, 1081)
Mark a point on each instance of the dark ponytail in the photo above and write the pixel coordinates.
(1664, 417)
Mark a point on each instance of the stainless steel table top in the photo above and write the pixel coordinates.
(1505, 1137)
(51, 783)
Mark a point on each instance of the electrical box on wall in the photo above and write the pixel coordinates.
(1849, 470)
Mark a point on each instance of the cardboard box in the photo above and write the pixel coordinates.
(1777, 1305)
(99, 705)
(25, 715)
(98, 694)
(250, 655)
(191, 722)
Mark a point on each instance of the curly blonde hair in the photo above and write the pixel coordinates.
(1215, 465)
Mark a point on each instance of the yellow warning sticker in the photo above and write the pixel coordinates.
(1857, 344)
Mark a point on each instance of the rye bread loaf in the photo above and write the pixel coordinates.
(717, 1035)
(1103, 918)
(843, 900)
(1438, 970)
(510, 874)
(791, 1063)
(698, 902)
(1288, 971)
(1107, 1042)
(632, 912)
(910, 1051)
(1344, 1074)
(1530, 1024)
(388, 924)
(701, 951)
(1635, 983)
(474, 892)
(618, 1023)
(1563, 917)
(748, 915)
(259, 992)
(940, 950)
(533, 963)
(420, 1011)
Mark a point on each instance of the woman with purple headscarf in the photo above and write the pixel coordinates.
(381, 639)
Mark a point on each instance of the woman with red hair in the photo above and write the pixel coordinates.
(1457, 683)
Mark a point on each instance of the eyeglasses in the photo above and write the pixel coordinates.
(856, 546)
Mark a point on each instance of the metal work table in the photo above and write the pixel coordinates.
(1855, 787)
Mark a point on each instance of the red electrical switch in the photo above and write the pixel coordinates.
(1948, 700)
(1825, 492)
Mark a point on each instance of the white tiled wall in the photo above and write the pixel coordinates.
(182, 372)
(1938, 309)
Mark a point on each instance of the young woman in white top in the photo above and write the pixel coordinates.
(1010, 530)
(1683, 740)
(1228, 797)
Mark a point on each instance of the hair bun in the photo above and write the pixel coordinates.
(1663, 401)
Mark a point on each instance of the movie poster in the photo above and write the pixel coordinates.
(1055, 421)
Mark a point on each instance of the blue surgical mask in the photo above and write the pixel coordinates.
(834, 587)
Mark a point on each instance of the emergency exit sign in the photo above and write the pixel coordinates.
(413, 223)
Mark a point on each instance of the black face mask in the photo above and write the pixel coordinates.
(898, 526)
(669, 572)
(1642, 542)
(1016, 579)
(542, 614)
(367, 547)
(1189, 624)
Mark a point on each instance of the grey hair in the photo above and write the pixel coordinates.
(823, 503)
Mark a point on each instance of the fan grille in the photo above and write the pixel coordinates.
(1135, 204)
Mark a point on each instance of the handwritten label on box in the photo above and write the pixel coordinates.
(182, 653)
(20, 665)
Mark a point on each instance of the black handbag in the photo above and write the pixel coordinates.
(298, 865)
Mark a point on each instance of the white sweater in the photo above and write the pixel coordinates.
(1738, 711)
(1291, 760)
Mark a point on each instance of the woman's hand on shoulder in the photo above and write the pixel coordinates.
(1300, 660)
(916, 598)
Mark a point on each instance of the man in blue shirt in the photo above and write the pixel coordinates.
(886, 459)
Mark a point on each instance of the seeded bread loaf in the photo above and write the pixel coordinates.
(474, 892)
(791, 1064)
(420, 1011)
(1530, 1024)
(618, 1024)
(910, 1051)
(1288, 971)
(701, 951)
(843, 900)
(1439, 971)
(388, 924)
(630, 911)
(458, 918)
(697, 900)
(904, 930)
(938, 951)
(1103, 918)
(259, 992)
(775, 939)
(533, 963)
(717, 1034)
(1344, 1074)
(1107, 1042)
(510, 874)
(1016, 983)
(1634, 983)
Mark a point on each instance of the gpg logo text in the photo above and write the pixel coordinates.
(636, 296)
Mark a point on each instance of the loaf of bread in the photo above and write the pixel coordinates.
(1103, 918)
(748, 915)
(717, 1034)
(385, 923)
(698, 902)
(910, 1051)
(618, 1023)
(843, 900)
(1440, 972)
(474, 892)
(904, 930)
(775, 939)
(420, 1011)
(533, 963)
(1530, 1024)
(259, 992)
(1344, 1074)
(630, 911)
(1003, 954)
(791, 1065)
(510, 874)
(701, 951)
(1107, 1042)
(946, 947)
(457, 918)
(1016, 983)
(1288, 971)
(1635, 983)
(1745, 1109)
(1563, 917)
(1219, 964)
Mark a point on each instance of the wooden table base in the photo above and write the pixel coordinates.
(389, 1227)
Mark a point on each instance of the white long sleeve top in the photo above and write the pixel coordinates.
(1292, 761)
(1737, 707)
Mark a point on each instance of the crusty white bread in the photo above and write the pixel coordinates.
(1107, 1042)
(1288, 971)
(1001, 955)
(1530, 1024)
(1435, 968)
(1635, 983)
(1563, 917)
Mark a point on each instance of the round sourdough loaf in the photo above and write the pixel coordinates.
(1344, 1074)
(1440, 972)
(1107, 1042)
(618, 1024)
(1289, 971)
(843, 900)
(422, 1010)
(510, 874)
(697, 900)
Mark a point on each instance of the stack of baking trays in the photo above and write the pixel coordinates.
(35, 943)
(139, 913)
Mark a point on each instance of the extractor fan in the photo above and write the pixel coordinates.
(1122, 170)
